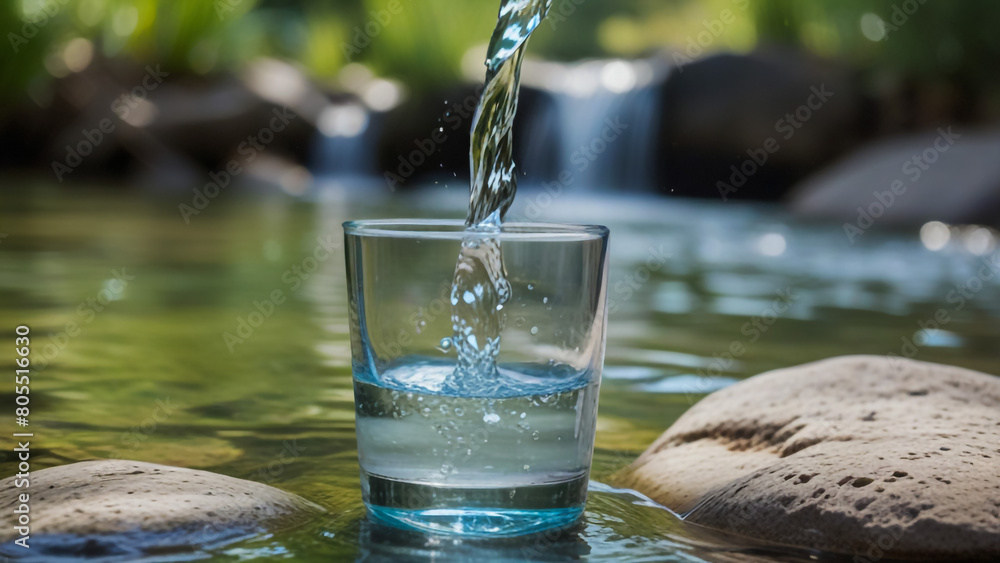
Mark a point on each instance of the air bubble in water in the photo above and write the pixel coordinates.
(491, 417)
(447, 469)
(534, 330)
(530, 287)
(534, 435)
(545, 299)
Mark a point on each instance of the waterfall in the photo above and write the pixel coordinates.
(607, 115)
(346, 143)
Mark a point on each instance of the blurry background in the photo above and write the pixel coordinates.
(697, 86)
(167, 166)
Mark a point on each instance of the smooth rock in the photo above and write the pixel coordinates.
(140, 501)
(869, 456)
(750, 126)
(948, 175)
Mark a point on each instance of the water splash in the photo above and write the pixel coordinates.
(478, 294)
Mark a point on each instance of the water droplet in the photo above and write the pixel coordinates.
(534, 330)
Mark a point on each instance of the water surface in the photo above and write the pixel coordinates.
(152, 375)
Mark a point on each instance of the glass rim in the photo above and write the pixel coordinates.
(455, 229)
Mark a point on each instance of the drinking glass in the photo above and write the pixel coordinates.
(498, 452)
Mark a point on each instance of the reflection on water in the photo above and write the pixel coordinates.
(228, 349)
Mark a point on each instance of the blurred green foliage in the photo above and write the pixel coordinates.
(422, 42)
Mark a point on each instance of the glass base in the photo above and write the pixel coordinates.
(497, 511)
(477, 522)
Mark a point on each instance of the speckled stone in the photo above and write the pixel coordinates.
(120, 496)
(869, 456)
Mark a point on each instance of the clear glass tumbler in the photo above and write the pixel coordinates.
(492, 453)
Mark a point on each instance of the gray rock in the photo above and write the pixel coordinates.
(961, 185)
(869, 456)
(145, 502)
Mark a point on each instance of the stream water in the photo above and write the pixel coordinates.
(150, 376)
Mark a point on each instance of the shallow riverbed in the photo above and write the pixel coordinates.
(697, 291)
